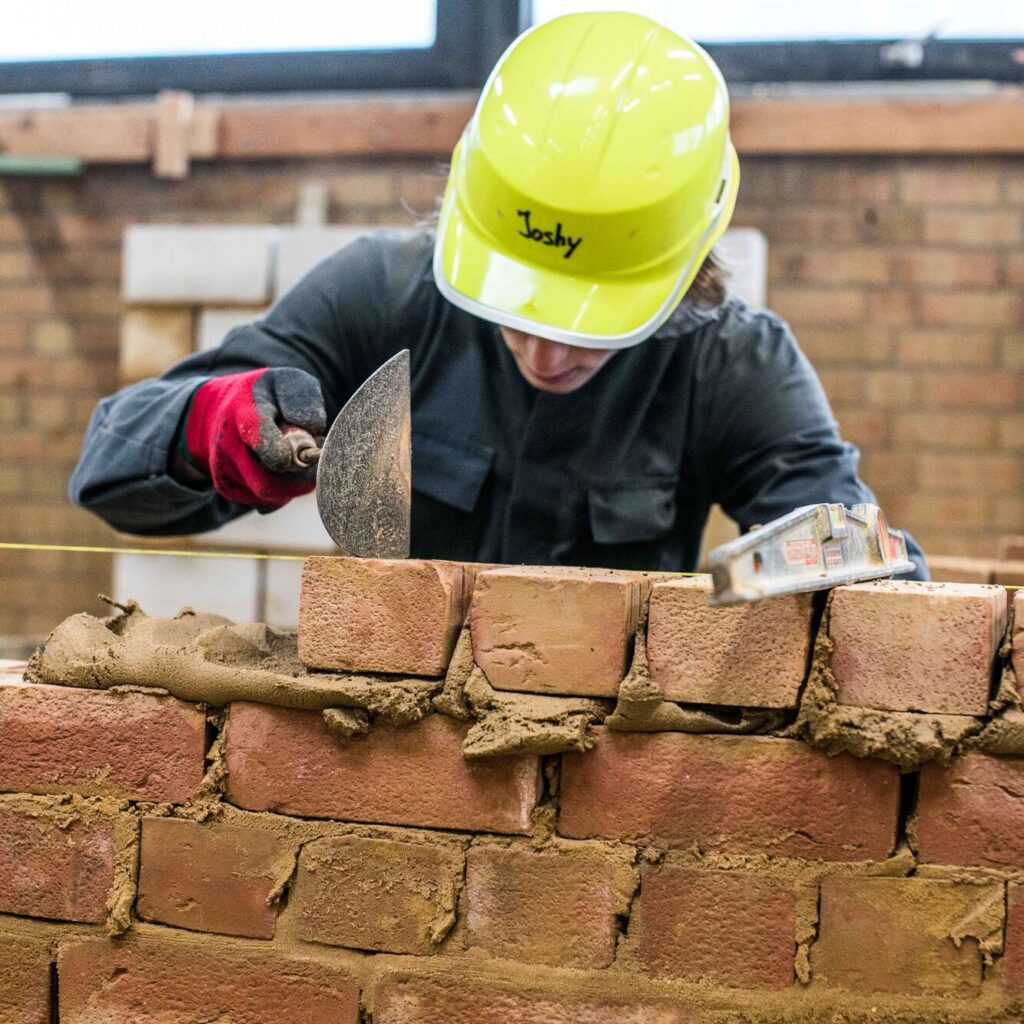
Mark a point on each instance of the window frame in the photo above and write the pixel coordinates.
(471, 35)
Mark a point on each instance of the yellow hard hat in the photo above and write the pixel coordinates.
(591, 182)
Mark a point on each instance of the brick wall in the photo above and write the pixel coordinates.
(901, 278)
(161, 858)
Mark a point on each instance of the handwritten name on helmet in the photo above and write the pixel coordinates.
(555, 238)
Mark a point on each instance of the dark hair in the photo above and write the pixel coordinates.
(708, 287)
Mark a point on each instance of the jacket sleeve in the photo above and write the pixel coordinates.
(775, 442)
(335, 324)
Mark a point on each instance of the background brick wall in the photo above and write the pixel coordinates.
(901, 278)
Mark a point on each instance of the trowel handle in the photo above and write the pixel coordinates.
(305, 448)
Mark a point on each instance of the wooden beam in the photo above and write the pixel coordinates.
(879, 126)
(174, 113)
(346, 128)
(430, 126)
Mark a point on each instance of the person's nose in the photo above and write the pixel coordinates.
(547, 357)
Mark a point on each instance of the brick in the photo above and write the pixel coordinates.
(895, 935)
(946, 511)
(392, 896)
(843, 387)
(695, 650)
(964, 390)
(720, 927)
(1013, 953)
(555, 630)
(946, 267)
(1011, 433)
(24, 980)
(380, 615)
(457, 997)
(819, 305)
(907, 646)
(55, 862)
(997, 309)
(956, 569)
(197, 265)
(556, 907)
(300, 248)
(287, 761)
(982, 228)
(1011, 548)
(830, 266)
(950, 429)
(57, 739)
(731, 794)
(152, 341)
(890, 389)
(978, 473)
(950, 185)
(892, 225)
(892, 307)
(857, 345)
(193, 980)
(934, 347)
(864, 427)
(211, 878)
(1014, 263)
(213, 323)
(889, 469)
(972, 812)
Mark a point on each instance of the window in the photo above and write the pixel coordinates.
(124, 47)
(806, 40)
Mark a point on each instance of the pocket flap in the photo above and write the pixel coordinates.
(626, 513)
(453, 474)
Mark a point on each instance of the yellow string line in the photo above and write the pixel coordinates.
(82, 549)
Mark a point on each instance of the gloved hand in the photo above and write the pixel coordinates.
(233, 434)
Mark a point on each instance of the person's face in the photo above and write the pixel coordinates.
(550, 365)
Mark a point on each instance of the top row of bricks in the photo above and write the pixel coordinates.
(899, 646)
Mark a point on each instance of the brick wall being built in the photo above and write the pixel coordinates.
(472, 794)
(900, 275)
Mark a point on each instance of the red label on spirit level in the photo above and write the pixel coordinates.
(801, 552)
(833, 555)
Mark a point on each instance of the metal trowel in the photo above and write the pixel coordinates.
(364, 466)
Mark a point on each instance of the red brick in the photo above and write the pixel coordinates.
(950, 429)
(732, 794)
(827, 346)
(1011, 548)
(56, 861)
(287, 761)
(843, 387)
(946, 267)
(982, 228)
(847, 265)
(895, 935)
(819, 305)
(972, 812)
(458, 997)
(58, 739)
(907, 646)
(723, 927)
(1013, 953)
(950, 185)
(935, 347)
(192, 980)
(864, 427)
(954, 569)
(749, 655)
(24, 980)
(392, 896)
(211, 878)
(890, 389)
(380, 615)
(996, 309)
(555, 630)
(977, 472)
(556, 907)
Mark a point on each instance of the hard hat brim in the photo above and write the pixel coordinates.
(610, 312)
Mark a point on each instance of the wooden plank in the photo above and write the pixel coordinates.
(101, 133)
(879, 126)
(174, 114)
(348, 128)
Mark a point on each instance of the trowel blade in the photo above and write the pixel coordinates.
(363, 479)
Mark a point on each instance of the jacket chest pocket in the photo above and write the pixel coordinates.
(633, 524)
(449, 483)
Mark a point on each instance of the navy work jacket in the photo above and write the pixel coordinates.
(718, 406)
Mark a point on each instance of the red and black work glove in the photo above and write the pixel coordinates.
(234, 433)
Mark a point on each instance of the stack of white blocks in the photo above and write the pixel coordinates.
(184, 289)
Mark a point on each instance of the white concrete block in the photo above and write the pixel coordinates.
(214, 322)
(163, 584)
(281, 594)
(152, 341)
(744, 251)
(198, 264)
(296, 527)
(302, 248)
